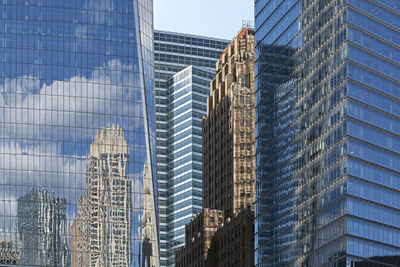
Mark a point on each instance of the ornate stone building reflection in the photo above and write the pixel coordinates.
(42, 225)
(147, 222)
(101, 233)
(69, 69)
(10, 251)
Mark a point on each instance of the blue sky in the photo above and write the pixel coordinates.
(214, 18)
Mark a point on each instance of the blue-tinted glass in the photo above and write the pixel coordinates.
(327, 124)
(77, 134)
(174, 52)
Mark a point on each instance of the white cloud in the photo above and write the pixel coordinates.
(103, 6)
(77, 103)
(46, 130)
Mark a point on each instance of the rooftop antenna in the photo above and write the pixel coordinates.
(248, 24)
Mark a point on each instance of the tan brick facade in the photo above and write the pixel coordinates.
(228, 130)
(228, 165)
(233, 243)
(198, 236)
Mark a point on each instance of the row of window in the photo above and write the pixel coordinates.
(188, 40)
(185, 60)
(288, 9)
(368, 249)
(373, 231)
(186, 50)
(373, 173)
(377, 12)
(373, 80)
(375, 27)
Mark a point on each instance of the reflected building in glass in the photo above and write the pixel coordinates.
(103, 225)
(41, 213)
(77, 134)
(146, 229)
(327, 133)
(178, 136)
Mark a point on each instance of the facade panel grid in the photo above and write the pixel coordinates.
(326, 111)
(77, 134)
(173, 53)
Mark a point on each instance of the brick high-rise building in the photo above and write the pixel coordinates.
(199, 234)
(178, 129)
(233, 244)
(228, 130)
(228, 162)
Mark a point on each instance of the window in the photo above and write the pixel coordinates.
(241, 122)
(242, 146)
(248, 147)
(211, 219)
(243, 81)
(241, 99)
(241, 134)
(248, 135)
(241, 111)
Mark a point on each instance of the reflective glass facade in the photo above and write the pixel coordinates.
(174, 52)
(327, 132)
(187, 94)
(77, 133)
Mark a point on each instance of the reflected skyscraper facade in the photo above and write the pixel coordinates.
(42, 213)
(146, 229)
(103, 227)
(327, 144)
(77, 133)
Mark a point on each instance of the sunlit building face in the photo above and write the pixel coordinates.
(327, 133)
(77, 133)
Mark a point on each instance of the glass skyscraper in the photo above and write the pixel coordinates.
(180, 179)
(327, 132)
(77, 133)
(187, 94)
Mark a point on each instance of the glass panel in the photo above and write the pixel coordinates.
(77, 154)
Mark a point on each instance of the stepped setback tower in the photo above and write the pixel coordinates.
(102, 229)
(228, 165)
